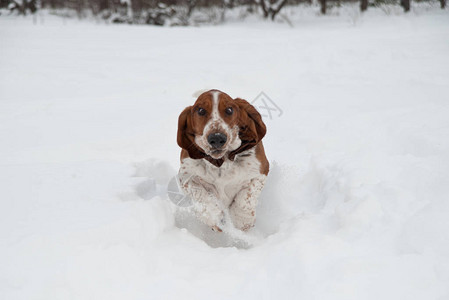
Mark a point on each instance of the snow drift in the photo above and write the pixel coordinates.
(356, 204)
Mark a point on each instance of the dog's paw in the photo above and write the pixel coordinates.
(242, 219)
(216, 228)
(246, 227)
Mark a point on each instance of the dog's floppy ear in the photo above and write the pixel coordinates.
(251, 127)
(186, 135)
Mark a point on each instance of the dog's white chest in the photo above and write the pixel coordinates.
(229, 178)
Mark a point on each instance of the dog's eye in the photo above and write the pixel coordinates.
(201, 111)
(229, 111)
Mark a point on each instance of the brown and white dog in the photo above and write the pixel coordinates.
(223, 163)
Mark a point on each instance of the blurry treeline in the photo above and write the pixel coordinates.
(177, 12)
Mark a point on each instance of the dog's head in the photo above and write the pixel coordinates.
(217, 125)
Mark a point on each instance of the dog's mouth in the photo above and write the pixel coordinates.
(217, 153)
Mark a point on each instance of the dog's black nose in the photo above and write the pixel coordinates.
(217, 140)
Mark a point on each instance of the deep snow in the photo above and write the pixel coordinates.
(356, 206)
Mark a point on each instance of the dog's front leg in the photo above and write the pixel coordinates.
(243, 208)
(205, 201)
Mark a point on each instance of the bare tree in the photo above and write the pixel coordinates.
(136, 7)
(271, 8)
(178, 11)
(363, 5)
(323, 6)
(190, 6)
(406, 5)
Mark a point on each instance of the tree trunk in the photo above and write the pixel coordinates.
(79, 8)
(103, 4)
(264, 8)
(274, 12)
(363, 5)
(443, 4)
(406, 5)
(191, 5)
(136, 7)
(323, 6)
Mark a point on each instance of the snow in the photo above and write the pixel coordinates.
(356, 204)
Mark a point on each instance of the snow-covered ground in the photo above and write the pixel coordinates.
(357, 202)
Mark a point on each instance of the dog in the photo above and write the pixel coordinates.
(223, 163)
